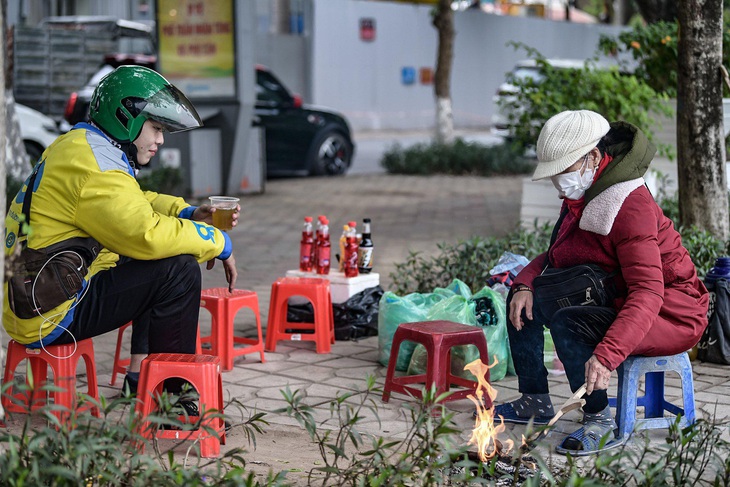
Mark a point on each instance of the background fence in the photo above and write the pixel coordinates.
(49, 64)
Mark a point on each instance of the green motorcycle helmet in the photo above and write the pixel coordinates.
(128, 96)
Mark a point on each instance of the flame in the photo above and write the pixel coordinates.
(485, 431)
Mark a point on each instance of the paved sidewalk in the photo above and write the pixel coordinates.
(408, 213)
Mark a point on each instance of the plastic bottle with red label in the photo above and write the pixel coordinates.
(317, 234)
(351, 246)
(341, 255)
(306, 246)
(324, 248)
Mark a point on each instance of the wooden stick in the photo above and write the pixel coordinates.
(574, 402)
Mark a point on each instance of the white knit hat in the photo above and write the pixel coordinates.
(565, 138)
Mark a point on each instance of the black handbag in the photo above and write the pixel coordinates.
(714, 346)
(580, 285)
(39, 280)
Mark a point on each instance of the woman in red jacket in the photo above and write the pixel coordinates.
(610, 219)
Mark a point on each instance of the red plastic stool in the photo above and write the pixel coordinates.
(63, 361)
(203, 372)
(223, 306)
(317, 291)
(120, 364)
(438, 337)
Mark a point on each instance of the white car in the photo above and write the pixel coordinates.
(37, 130)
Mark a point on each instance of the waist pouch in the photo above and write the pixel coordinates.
(39, 280)
(581, 285)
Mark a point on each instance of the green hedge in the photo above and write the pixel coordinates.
(470, 260)
(458, 158)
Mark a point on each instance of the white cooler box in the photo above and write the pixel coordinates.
(341, 287)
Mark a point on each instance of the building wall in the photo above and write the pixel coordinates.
(329, 65)
(287, 56)
(363, 79)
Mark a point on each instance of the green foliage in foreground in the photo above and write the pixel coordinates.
(104, 451)
(431, 451)
(458, 158)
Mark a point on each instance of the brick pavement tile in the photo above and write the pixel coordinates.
(307, 357)
(290, 368)
(345, 383)
(346, 363)
(711, 370)
(275, 381)
(311, 373)
(721, 412)
(359, 372)
(395, 429)
(275, 392)
(241, 374)
(318, 392)
(709, 398)
(702, 381)
(371, 355)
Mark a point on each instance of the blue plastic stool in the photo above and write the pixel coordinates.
(653, 402)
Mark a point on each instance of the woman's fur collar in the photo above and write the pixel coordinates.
(600, 213)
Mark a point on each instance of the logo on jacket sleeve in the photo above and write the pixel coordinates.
(206, 232)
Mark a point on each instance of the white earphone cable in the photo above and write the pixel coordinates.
(49, 318)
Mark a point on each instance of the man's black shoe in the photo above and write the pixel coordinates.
(129, 386)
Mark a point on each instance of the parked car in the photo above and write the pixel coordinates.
(37, 130)
(300, 139)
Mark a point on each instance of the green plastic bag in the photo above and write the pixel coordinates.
(550, 357)
(549, 351)
(394, 310)
(491, 312)
(457, 287)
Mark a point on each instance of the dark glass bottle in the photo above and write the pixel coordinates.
(365, 252)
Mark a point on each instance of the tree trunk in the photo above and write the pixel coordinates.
(623, 11)
(17, 165)
(702, 183)
(443, 20)
(3, 9)
(656, 10)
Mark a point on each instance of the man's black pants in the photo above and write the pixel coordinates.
(160, 297)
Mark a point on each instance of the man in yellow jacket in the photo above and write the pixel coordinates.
(90, 251)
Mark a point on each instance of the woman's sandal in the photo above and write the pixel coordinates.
(590, 441)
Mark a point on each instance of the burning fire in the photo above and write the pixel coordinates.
(485, 431)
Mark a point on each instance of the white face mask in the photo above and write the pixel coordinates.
(573, 185)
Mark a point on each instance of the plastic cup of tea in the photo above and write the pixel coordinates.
(224, 206)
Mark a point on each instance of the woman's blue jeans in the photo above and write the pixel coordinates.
(576, 331)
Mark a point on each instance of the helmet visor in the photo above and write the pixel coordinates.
(172, 109)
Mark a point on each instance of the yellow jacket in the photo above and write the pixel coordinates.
(86, 188)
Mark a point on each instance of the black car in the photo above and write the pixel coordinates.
(300, 140)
